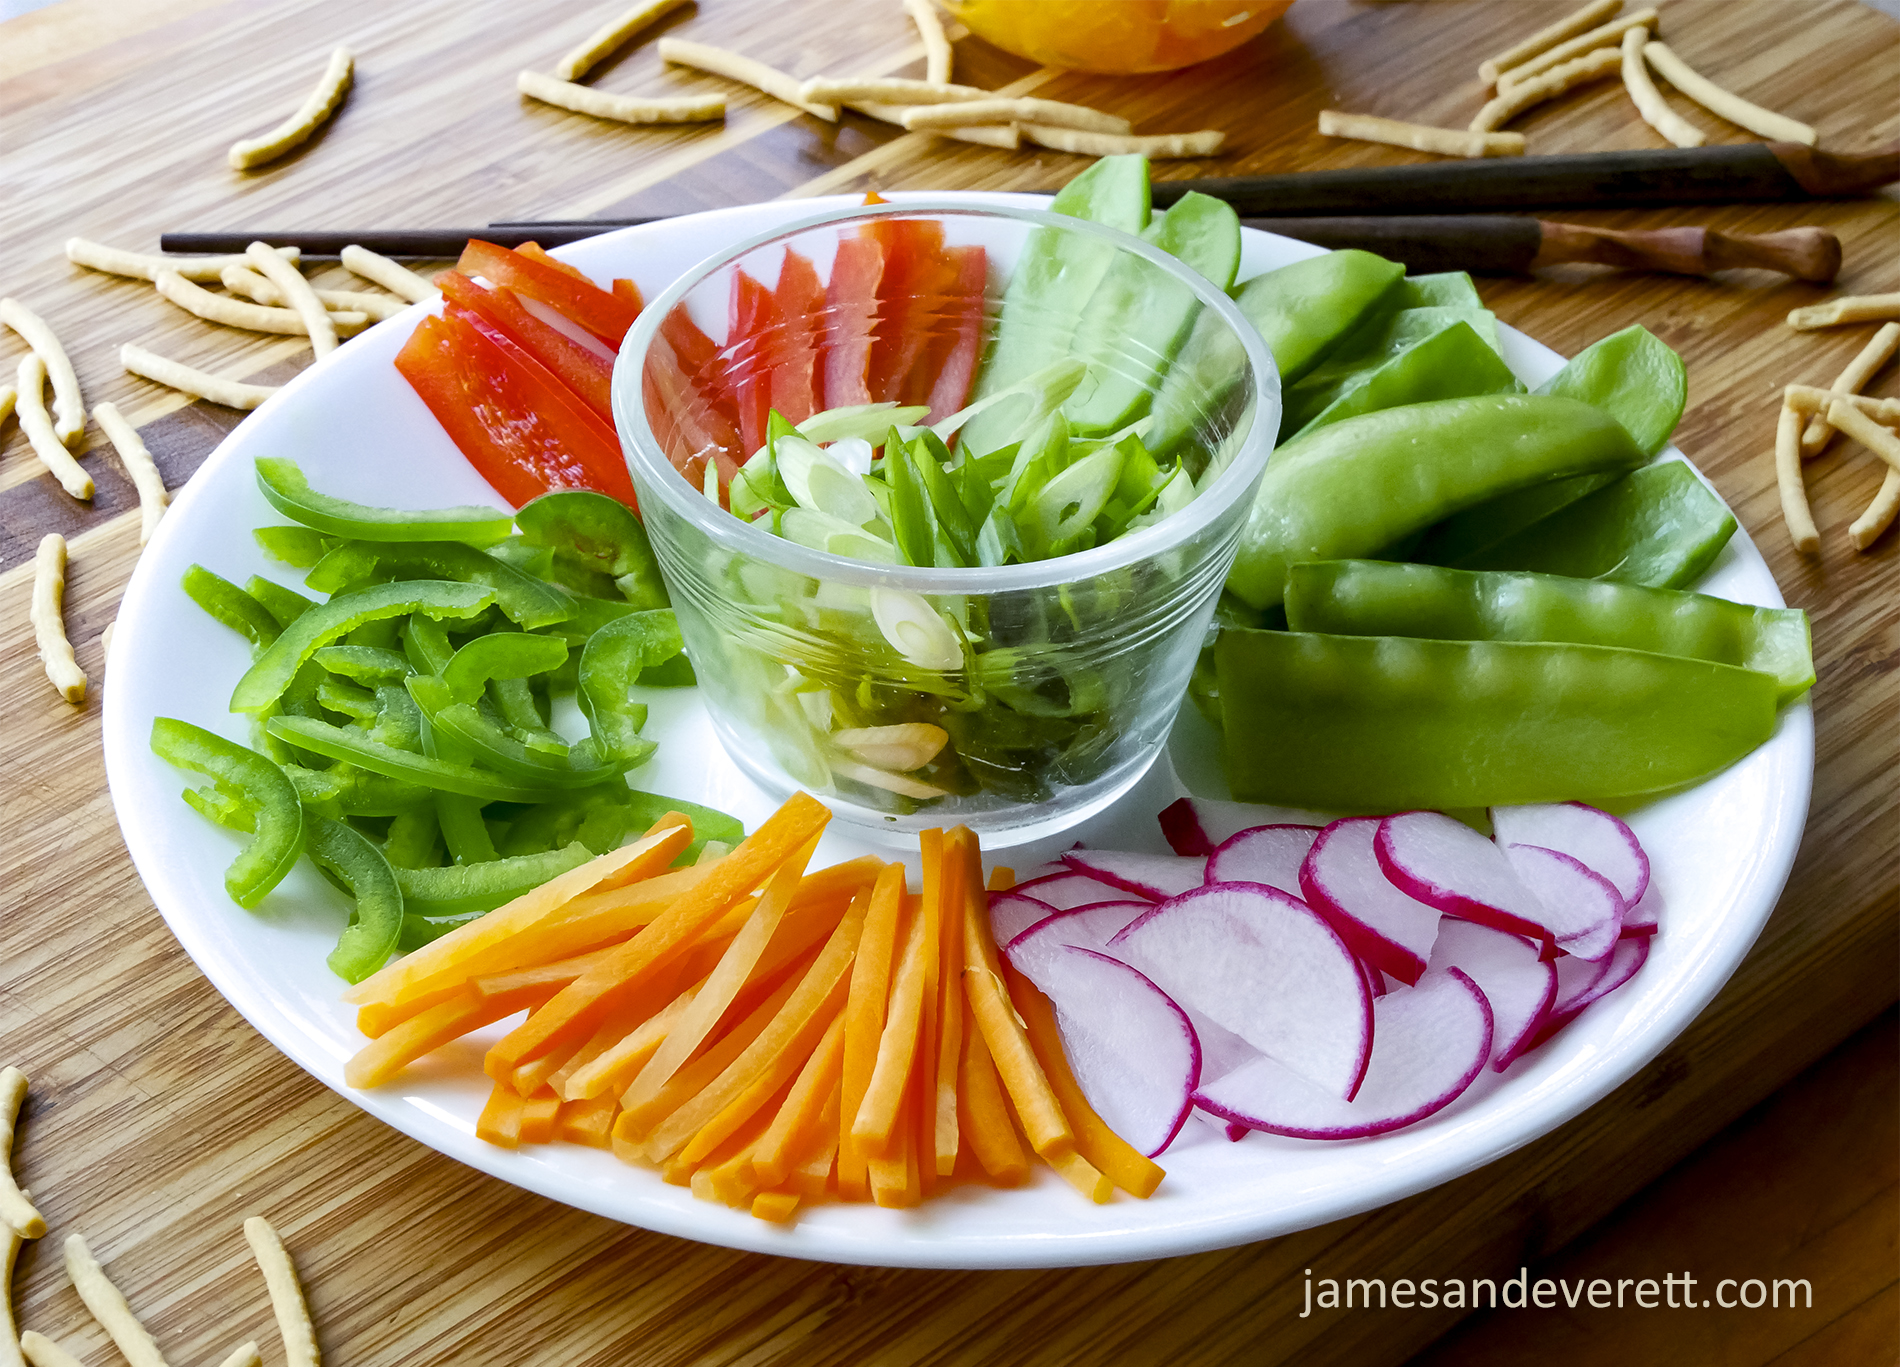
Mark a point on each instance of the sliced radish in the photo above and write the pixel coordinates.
(1618, 969)
(1445, 864)
(1196, 825)
(1582, 910)
(1645, 918)
(1071, 889)
(1576, 979)
(1341, 880)
(1155, 876)
(1090, 927)
(1433, 1040)
(1375, 980)
(1594, 838)
(1516, 980)
(1266, 854)
(1263, 965)
(1011, 913)
(1131, 1048)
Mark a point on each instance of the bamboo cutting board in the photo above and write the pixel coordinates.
(159, 1119)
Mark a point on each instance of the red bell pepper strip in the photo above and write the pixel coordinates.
(523, 430)
(581, 369)
(689, 429)
(749, 347)
(954, 362)
(850, 316)
(557, 286)
(800, 297)
(910, 298)
(626, 289)
(533, 251)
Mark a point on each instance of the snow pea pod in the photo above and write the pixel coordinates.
(612, 661)
(376, 921)
(241, 777)
(524, 599)
(1446, 289)
(1383, 723)
(483, 887)
(1453, 363)
(1353, 488)
(1371, 347)
(271, 673)
(283, 485)
(231, 605)
(1376, 598)
(598, 545)
(1658, 526)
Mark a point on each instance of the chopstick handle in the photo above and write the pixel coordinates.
(1827, 175)
(1804, 253)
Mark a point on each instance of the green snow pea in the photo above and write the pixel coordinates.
(285, 488)
(1202, 232)
(231, 605)
(1376, 598)
(271, 673)
(298, 547)
(591, 534)
(241, 778)
(1658, 526)
(523, 598)
(1453, 363)
(413, 841)
(1383, 723)
(345, 743)
(349, 859)
(1447, 289)
(1055, 277)
(451, 891)
(614, 658)
(285, 605)
(1372, 346)
(491, 744)
(1353, 488)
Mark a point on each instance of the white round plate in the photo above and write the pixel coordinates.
(1720, 852)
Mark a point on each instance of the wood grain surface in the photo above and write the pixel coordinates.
(159, 1118)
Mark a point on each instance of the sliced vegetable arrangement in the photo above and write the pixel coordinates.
(404, 726)
(766, 1034)
(1246, 976)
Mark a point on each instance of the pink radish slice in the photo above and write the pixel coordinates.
(1011, 913)
(1196, 825)
(1593, 838)
(1342, 881)
(1071, 889)
(1235, 1133)
(1262, 965)
(1644, 918)
(1375, 980)
(1433, 1038)
(1445, 864)
(1266, 854)
(1518, 983)
(1131, 1048)
(1619, 968)
(1155, 876)
(1090, 927)
(1582, 910)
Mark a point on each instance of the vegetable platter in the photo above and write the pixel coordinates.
(1720, 854)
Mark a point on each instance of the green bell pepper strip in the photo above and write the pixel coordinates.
(427, 647)
(709, 823)
(342, 743)
(490, 744)
(426, 644)
(485, 886)
(271, 673)
(1055, 277)
(1372, 347)
(244, 776)
(418, 931)
(1454, 363)
(598, 819)
(284, 605)
(514, 701)
(285, 488)
(463, 830)
(363, 664)
(413, 841)
(358, 704)
(614, 657)
(398, 721)
(1635, 377)
(231, 605)
(347, 790)
(523, 598)
(1382, 723)
(1375, 598)
(500, 655)
(590, 531)
(1353, 488)
(376, 921)
(298, 547)
(1659, 526)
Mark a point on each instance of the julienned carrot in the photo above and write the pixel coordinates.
(539, 1114)
(422, 970)
(817, 1161)
(577, 1009)
(632, 1127)
(619, 1049)
(389, 1053)
(1035, 1101)
(557, 974)
(587, 1122)
(984, 1116)
(775, 1206)
(724, 1172)
(961, 865)
(1002, 879)
(500, 1120)
(924, 1064)
(379, 1018)
(535, 1074)
(778, 1080)
(1124, 1165)
(734, 969)
(864, 1018)
(893, 1169)
(779, 1050)
(1081, 1174)
(792, 1129)
(876, 1125)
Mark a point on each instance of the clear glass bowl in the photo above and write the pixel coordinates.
(1017, 699)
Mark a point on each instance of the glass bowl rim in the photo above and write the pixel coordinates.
(642, 449)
